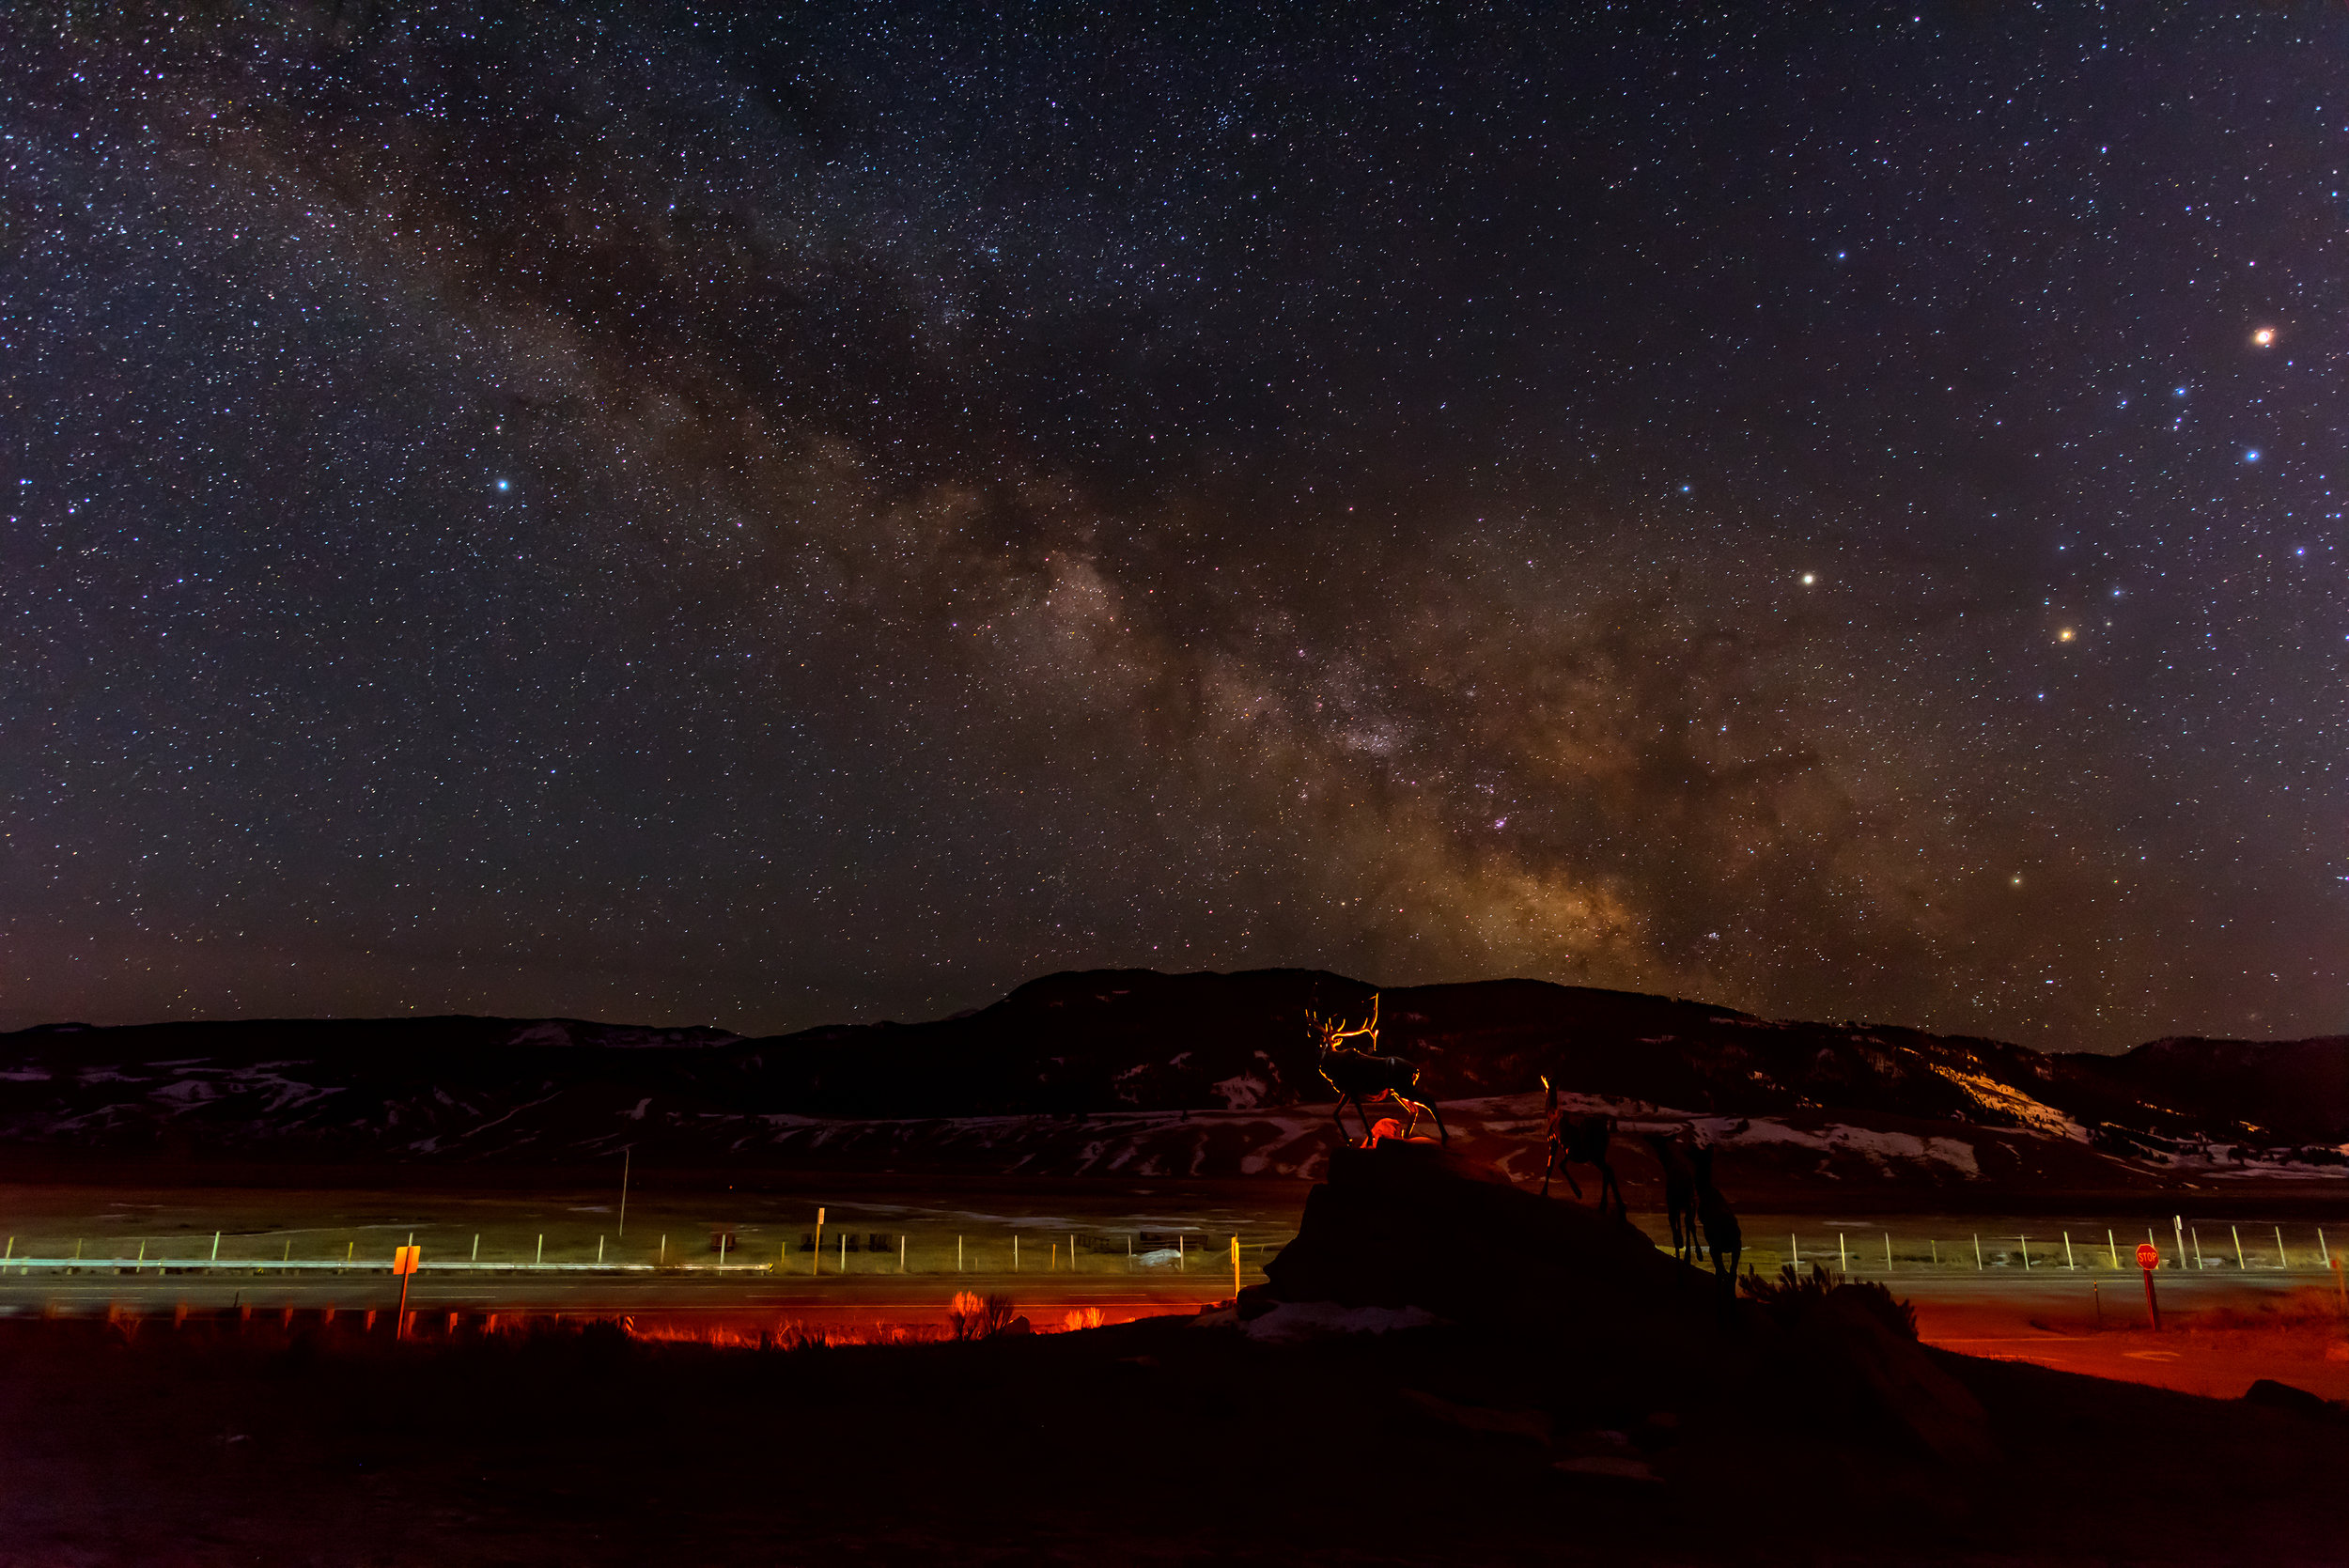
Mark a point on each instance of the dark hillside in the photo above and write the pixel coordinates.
(1097, 1043)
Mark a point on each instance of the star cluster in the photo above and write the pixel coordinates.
(772, 516)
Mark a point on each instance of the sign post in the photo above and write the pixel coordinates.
(2149, 1259)
(405, 1261)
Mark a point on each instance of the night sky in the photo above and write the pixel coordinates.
(676, 515)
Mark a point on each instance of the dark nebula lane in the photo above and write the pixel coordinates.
(665, 514)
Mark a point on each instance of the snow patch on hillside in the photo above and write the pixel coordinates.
(1879, 1148)
(1241, 1091)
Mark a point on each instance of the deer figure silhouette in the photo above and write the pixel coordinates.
(1362, 1078)
(1577, 1141)
(1674, 1152)
(1723, 1235)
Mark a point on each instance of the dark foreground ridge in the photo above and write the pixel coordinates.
(1092, 1048)
(1583, 1399)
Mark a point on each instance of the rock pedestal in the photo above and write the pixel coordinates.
(1587, 1294)
(1412, 1224)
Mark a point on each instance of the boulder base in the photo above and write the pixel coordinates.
(1414, 1225)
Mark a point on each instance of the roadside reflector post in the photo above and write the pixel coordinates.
(2281, 1260)
(599, 1252)
(2324, 1253)
(405, 1261)
(1794, 1251)
(816, 1253)
(957, 1254)
(350, 1251)
(1182, 1255)
(1978, 1264)
(2177, 1224)
(1015, 1252)
(2197, 1234)
(2149, 1259)
(1935, 1245)
(2025, 1242)
(2113, 1246)
(1236, 1268)
(216, 1247)
(901, 1253)
(1842, 1255)
(542, 1251)
(2067, 1251)
(2237, 1230)
(1888, 1251)
(477, 1247)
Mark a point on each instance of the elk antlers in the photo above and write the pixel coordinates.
(1334, 1034)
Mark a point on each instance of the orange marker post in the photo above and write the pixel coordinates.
(405, 1261)
(2149, 1259)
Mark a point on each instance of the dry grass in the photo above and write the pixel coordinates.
(972, 1316)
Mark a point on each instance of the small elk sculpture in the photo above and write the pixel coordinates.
(1365, 1078)
(1674, 1155)
(1723, 1235)
(1579, 1140)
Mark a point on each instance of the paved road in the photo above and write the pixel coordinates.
(761, 1290)
(880, 1296)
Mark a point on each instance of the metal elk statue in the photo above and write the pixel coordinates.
(1579, 1140)
(1365, 1078)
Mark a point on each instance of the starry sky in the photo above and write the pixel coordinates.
(774, 516)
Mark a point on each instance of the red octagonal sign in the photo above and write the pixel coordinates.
(2148, 1255)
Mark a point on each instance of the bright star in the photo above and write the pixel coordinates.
(1809, 578)
(2252, 456)
(2265, 336)
(2066, 636)
(501, 483)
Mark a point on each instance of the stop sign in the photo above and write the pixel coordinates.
(2148, 1256)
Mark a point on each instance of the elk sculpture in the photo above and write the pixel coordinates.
(1674, 1152)
(1579, 1140)
(1723, 1234)
(1364, 1078)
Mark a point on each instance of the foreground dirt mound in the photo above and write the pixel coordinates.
(225, 1441)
